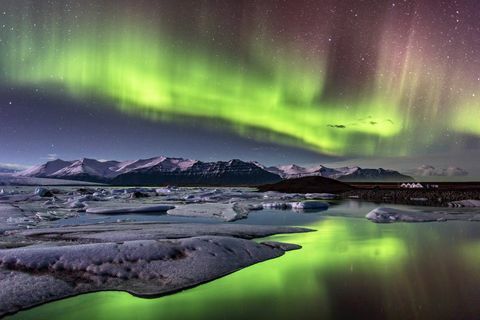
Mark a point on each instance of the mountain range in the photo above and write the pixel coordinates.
(345, 174)
(179, 171)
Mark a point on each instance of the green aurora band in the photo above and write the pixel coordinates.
(276, 96)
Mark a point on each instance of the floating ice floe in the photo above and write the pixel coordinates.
(87, 197)
(389, 215)
(137, 209)
(309, 205)
(161, 191)
(49, 202)
(301, 205)
(224, 211)
(4, 192)
(465, 203)
(277, 205)
(324, 196)
(49, 215)
(272, 194)
(253, 206)
(75, 204)
(43, 192)
(18, 220)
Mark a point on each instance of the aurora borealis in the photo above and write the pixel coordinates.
(338, 78)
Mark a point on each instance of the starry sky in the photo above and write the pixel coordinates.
(274, 81)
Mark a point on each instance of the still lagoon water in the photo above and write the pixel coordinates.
(348, 268)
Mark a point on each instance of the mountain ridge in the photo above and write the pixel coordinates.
(345, 174)
(155, 171)
(181, 171)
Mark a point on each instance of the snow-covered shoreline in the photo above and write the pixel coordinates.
(143, 259)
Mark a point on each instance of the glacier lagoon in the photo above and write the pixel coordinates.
(350, 267)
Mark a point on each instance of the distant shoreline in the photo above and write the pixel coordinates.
(445, 185)
(421, 197)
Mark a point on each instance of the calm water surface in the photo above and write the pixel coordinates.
(349, 268)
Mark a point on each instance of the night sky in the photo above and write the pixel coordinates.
(274, 81)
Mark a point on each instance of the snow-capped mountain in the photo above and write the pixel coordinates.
(159, 170)
(179, 171)
(349, 174)
(190, 172)
(157, 163)
(46, 169)
(88, 170)
(296, 171)
(293, 170)
(326, 172)
(373, 175)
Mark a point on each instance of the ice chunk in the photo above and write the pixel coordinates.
(43, 192)
(163, 191)
(227, 212)
(137, 209)
(465, 203)
(277, 205)
(75, 204)
(49, 215)
(310, 205)
(389, 215)
(324, 196)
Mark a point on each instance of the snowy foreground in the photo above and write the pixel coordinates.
(133, 258)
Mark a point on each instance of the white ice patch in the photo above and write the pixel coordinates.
(137, 209)
(309, 205)
(226, 212)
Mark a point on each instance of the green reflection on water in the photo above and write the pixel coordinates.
(349, 267)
